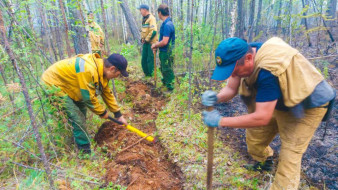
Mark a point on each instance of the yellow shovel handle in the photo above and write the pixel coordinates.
(140, 133)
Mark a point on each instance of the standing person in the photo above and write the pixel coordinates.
(284, 93)
(96, 35)
(166, 45)
(81, 79)
(148, 37)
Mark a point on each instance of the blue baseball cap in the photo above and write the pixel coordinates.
(143, 6)
(227, 53)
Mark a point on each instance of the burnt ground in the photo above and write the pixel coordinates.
(319, 163)
(133, 163)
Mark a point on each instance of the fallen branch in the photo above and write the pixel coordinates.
(323, 57)
(133, 144)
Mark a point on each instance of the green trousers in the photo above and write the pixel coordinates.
(147, 60)
(166, 68)
(76, 112)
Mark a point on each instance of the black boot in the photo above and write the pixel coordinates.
(84, 149)
(261, 166)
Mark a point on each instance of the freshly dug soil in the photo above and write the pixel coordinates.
(133, 163)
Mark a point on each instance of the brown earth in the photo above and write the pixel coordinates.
(133, 163)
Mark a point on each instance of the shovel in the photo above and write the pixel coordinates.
(210, 153)
(133, 129)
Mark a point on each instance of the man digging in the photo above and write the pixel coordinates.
(81, 79)
(284, 94)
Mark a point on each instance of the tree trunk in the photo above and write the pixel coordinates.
(305, 22)
(188, 12)
(105, 28)
(28, 102)
(279, 20)
(190, 55)
(218, 6)
(46, 30)
(233, 19)
(331, 12)
(290, 22)
(79, 35)
(240, 20)
(205, 11)
(131, 22)
(251, 19)
(66, 28)
(29, 17)
(258, 19)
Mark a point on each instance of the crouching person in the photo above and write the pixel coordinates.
(81, 79)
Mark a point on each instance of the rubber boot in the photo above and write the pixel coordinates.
(261, 166)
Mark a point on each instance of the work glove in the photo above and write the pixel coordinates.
(211, 118)
(209, 98)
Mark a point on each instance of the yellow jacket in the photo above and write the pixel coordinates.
(296, 75)
(149, 29)
(96, 36)
(79, 78)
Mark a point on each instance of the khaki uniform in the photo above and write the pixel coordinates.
(96, 36)
(149, 35)
(297, 79)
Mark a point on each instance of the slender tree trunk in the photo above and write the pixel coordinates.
(290, 22)
(188, 11)
(190, 55)
(105, 28)
(131, 22)
(305, 22)
(240, 19)
(46, 29)
(205, 11)
(80, 35)
(331, 12)
(218, 6)
(66, 28)
(233, 19)
(28, 102)
(279, 20)
(29, 17)
(258, 19)
(251, 19)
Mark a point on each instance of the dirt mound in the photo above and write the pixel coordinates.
(136, 163)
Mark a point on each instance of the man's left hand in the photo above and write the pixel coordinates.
(212, 118)
(122, 120)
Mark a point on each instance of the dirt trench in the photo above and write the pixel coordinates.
(133, 163)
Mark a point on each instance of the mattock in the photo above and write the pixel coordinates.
(210, 153)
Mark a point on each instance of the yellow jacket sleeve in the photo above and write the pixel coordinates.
(87, 89)
(109, 98)
(152, 29)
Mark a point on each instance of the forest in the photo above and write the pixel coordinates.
(37, 145)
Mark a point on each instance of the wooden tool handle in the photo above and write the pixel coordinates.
(210, 153)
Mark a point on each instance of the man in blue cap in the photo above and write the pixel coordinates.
(148, 37)
(284, 94)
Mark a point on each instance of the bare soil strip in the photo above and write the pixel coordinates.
(136, 163)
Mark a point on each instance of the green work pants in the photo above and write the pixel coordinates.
(147, 60)
(76, 112)
(166, 68)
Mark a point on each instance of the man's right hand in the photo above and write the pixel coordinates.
(209, 98)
